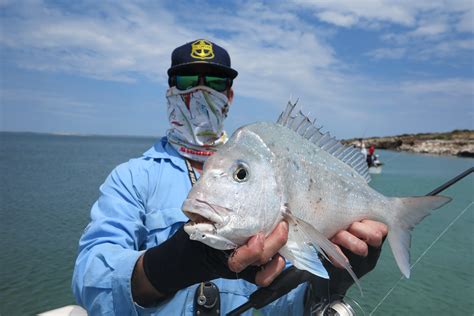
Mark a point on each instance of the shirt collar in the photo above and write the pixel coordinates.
(163, 150)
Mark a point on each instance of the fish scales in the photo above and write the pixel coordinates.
(320, 188)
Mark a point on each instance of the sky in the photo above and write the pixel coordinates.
(361, 68)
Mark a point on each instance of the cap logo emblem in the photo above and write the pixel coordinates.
(202, 49)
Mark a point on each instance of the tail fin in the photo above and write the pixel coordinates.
(410, 211)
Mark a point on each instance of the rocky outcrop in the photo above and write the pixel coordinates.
(457, 143)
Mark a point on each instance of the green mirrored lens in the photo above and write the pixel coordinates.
(216, 83)
(186, 82)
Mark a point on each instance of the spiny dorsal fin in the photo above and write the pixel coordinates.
(302, 125)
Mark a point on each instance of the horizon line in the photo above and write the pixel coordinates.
(158, 136)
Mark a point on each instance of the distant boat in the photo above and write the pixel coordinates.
(376, 168)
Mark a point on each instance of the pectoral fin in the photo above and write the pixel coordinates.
(303, 242)
(304, 256)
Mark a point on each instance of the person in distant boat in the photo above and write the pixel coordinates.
(363, 150)
(371, 150)
(371, 156)
(134, 256)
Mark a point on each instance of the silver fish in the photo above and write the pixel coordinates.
(291, 171)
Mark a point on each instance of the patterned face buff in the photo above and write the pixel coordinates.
(196, 116)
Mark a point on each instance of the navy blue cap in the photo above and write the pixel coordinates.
(201, 56)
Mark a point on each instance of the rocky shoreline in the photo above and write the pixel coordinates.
(456, 143)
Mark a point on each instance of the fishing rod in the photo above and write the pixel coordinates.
(450, 182)
(292, 277)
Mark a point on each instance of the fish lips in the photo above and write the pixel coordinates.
(206, 219)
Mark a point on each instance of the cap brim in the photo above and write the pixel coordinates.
(202, 67)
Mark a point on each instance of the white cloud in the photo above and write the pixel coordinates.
(430, 29)
(446, 51)
(466, 22)
(424, 28)
(405, 13)
(126, 40)
(338, 19)
(398, 12)
(451, 87)
(416, 48)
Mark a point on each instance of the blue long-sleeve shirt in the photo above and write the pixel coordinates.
(140, 207)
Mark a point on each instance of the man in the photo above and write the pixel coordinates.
(135, 257)
(363, 150)
(371, 156)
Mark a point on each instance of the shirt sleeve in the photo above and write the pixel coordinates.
(109, 247)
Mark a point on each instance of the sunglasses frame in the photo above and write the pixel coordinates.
(172, 81)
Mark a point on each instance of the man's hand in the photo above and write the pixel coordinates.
(180, 262)
(359, 236)
(261, 251)
(361, 244)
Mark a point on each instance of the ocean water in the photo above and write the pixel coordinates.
(49, 183)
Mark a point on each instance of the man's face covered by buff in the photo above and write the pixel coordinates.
(196, 116)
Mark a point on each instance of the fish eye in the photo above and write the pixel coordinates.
(241, 174)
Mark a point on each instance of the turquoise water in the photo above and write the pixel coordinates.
(441, 283)
(48, 184)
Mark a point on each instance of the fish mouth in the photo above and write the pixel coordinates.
(208, 217)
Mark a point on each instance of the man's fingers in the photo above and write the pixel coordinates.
(274, 242)
(370, 232)
(270, 271)
(351, 242)
(259, 250)
(247, 254)
(383, 228)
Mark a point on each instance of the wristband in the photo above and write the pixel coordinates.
(180, 262)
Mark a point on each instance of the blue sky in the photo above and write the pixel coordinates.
(362, 68)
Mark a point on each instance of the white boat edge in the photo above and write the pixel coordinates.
(375, 170)
(69, 310)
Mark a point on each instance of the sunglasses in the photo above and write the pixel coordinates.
(186, 82)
